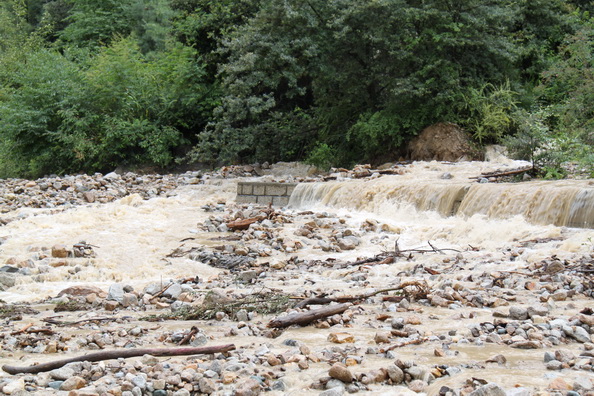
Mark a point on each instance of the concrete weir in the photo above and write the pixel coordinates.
(277, 194)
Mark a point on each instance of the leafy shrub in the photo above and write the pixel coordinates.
(490, 112)
(322, 156)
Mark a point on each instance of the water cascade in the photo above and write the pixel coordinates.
(562, 203)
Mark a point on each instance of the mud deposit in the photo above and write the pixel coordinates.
(492, 300)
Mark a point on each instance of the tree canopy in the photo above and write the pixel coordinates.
(87, 85)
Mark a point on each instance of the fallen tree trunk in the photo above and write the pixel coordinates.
(243, 224)
(116, 354)
(511, 172)
(304, 318)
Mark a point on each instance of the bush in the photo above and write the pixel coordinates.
(322, 156)
(490, 112)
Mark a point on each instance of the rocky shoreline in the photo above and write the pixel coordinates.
(453, 320)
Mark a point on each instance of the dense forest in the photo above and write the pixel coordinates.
(88, 85)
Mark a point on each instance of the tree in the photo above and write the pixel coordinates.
(31, 109)
(93, 23)
(362, 75)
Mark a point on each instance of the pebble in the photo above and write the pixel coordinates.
(249, 387)
(73, 383)
(337, 391)
(62, 373)
(341, 338)
(340, 372)
(382, 337)
(207, 386)
(488, 390)
(243, 372)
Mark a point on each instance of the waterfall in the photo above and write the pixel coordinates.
(561, 203)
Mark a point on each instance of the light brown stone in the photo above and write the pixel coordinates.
(340, 372)
(73, 383)
(341, 338)
(59, 251)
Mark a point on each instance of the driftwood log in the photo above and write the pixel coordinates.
(304, 318)
(510, 172)
(116, 354)
(242, 224)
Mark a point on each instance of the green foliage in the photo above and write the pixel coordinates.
(370, 73)
(31, 107)
(531, 137)
(322, 156)
(568, 90)
(93, 23)
(490, 112)
(338, 82)
(120, 107)
(136, 107)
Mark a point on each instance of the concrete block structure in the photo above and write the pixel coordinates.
(277, 194)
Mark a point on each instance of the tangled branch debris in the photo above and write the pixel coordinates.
(270, 303)
(391, 256)
(409, 289)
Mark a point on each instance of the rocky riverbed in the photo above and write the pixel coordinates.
(435, 306)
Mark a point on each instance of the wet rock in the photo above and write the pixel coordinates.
(340, 372)
(499, 359)
(341, 338)
(581, 335)
(77, 291)
(242, 315)
(336, 391)
(417, 386)
(248, 276)
(439, 301)
(564, 356)
(538, 310)
(559, 384)
(89, 196)
(395, 373)
(129, 300)
(7, 280)
(9, 269)
(489, 390)
(519, 392)
(73, 383)
(249, 387)
(582, 384)
(116, 292)
(420, 373)
(207, 386)
(110, 305)
(554, 267)
(587, 319)
(60, 251)
(554, 365)
(62, 373)
(518, 313)
(173, 291)
(382, 337)
(526, 345)
(560, 295)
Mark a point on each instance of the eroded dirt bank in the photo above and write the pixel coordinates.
(438, 305)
